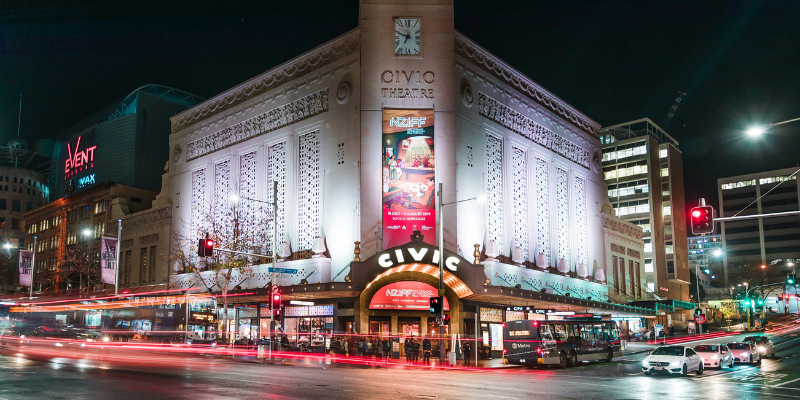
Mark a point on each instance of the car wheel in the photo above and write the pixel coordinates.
(609, 356)
(700, 370)
(573, 359)
(647, 372)
(684, 371)
(562, 360)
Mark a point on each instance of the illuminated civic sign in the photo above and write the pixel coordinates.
(405, 295)
(423, 255)
(78, 160)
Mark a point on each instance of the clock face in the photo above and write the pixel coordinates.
(407, 36)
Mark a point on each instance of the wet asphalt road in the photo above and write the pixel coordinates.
(29, 375)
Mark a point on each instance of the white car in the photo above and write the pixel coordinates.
(763, 344)
(715, 355)
(745, 352)
(672, 360)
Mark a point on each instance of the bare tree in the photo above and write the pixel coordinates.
(234, 227)
(81, 263)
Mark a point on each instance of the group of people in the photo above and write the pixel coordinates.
(372, 347)
(412, 349)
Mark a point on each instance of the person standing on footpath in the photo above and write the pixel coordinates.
(466, 348)
(426, 350)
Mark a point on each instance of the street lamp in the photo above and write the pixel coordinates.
(717, 253)
(756, 131)
(7, 246)
(87, 232)
(441, 257)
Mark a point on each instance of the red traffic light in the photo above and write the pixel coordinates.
(209, 244)
(696, 213)
(205, 247)
(702, 220)
(276, 297)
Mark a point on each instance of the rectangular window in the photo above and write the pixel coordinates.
(28, 205)
(664, 172)
(153, 254)
(14, 223)
(616, 274)
(648, 267)
(3, 204)
(2, 222)
(622, 277)
(128, 255)
(143, 265)
(16, 205)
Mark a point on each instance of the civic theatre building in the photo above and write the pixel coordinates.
(359, 133)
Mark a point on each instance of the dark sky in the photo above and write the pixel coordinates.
(738, 62)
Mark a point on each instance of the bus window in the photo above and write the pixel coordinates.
(560, 332)
(574, 334)
(545, 332)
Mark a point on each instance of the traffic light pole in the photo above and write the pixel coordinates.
(274, 257)
(441, 275)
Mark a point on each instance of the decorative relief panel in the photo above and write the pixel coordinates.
(222, 192)
(580, 221)
(198, 201)
(279, 117)
(634, 253)
(494, 190)
(309, 196)
(542, 210)
(247, 189)
(277, 172)
(562, 211)
(126, 243)
(505, 116)
(623, 227)
(147, 217)
(519, 165)
(148, 239)
(617, 248)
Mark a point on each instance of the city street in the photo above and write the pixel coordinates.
(31, 373)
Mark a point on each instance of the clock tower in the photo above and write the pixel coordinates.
(407, 120)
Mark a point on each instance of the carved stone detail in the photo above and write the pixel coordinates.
(146, 217)
(617, 248)
(126, 243)
(310, 61)
(513, 120)
(343, 92)
(625, 228)
(466, 96)
(148, 239)
(469, 49)
(305, 107)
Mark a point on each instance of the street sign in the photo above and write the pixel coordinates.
(282, 270)
(439, 319)
(700, 319)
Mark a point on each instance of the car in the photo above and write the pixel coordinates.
(673, 360)
(715, 355)
(763, 344)
(745, 352)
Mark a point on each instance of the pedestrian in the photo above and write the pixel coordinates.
(652, 334)
(426, 350)
(414, 351)
(466, 348)
(407, 349)
(387, 346)
(671, 330)
(360, 346)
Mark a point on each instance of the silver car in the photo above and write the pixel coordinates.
(715, 355)
(745, 352)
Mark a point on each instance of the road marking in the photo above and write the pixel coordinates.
(783, 383)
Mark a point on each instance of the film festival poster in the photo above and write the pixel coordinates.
(25, 267)
(108, 261)
(409, 178)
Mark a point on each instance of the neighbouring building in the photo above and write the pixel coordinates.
(107, 167)
(23, 187)
(772, 240)
(643, 168)
(705, 258)
(359, 134)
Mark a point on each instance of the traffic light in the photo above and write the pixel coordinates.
(277, 313)
(436, 304)
(446, 319)
(205, 247)
(791, 279)
(697, 312)
(760, 301)
(275, 300)
(747, 302)
(702, 220)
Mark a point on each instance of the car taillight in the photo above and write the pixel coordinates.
(505, 351)
(539, 350)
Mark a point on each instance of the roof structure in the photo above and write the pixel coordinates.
(128, 104)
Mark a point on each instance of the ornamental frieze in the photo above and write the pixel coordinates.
(305, 107)
(515, 121)
(147, 217)
(622, 227)
(634, 253)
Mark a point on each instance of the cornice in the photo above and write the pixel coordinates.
(480, 56)
(147, 217)
(310, 61)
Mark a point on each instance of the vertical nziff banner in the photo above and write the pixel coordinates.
(25, 267)
(409, 179)
(108, 260)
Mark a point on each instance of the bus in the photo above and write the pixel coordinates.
(564, 343)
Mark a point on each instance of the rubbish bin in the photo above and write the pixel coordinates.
(451, 358)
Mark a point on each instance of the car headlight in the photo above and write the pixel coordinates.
(83, 344)
(714, 357)
(59, 344)
(645, 363)
(762, 349)
(675, 364)
(745, 354)
(105, 339)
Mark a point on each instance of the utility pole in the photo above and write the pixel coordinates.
(274, 258)
(441, 274)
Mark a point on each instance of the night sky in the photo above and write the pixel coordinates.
(738, 62)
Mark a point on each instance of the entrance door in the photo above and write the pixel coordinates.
(434, 331)
(409, 329)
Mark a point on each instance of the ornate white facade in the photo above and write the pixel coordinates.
(313, 125)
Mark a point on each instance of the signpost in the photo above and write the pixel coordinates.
(700, 319)
(282, 270)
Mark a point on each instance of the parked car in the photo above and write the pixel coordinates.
(715, 355)
(673, 360)
(745, 352)
(763, 344)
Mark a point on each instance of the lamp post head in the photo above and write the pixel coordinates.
(6, 246)
(717, 253)
(234, 198)
(87, 232)
(756, 131)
